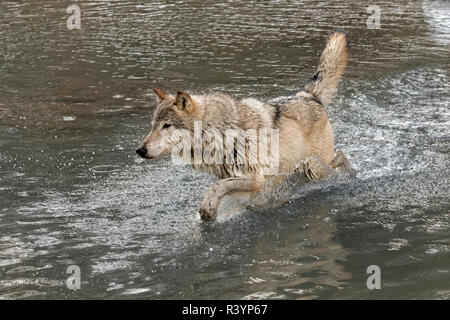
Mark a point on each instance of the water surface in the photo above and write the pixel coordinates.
(75, 104)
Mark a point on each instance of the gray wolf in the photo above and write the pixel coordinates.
(306, 139)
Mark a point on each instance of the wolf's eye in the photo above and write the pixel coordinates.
(166, 125)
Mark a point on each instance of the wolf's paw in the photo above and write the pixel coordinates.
(308, 170)
(315, 168)
(208, 208)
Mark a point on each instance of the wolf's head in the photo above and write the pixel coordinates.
(171, 113)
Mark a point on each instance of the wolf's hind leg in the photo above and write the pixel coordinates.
(341, 161)
(211, 202)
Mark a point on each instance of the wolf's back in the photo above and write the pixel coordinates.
(331, 67)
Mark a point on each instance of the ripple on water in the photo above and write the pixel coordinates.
(69, 118)
(105, 168)
(437, 13)
(20, 294)
(25, 269)
(27, 210)
(397, 244)
(264, 295)
(7, 262)
(135, 291)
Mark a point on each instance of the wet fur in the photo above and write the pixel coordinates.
(306, 135)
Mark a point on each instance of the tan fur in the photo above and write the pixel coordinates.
(331, 68)
(305, 132)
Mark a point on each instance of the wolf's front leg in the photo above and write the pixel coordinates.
(315, 168)
(211, 202)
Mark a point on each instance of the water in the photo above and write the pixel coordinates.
(75, 104)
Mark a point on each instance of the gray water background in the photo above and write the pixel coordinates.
(75, 104)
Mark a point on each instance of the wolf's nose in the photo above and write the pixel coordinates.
(142, 151)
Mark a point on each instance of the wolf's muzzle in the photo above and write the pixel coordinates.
(142, 151)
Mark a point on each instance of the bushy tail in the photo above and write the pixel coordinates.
(332, 65)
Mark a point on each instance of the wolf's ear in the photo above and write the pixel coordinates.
(184, 102)
(160, 94)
